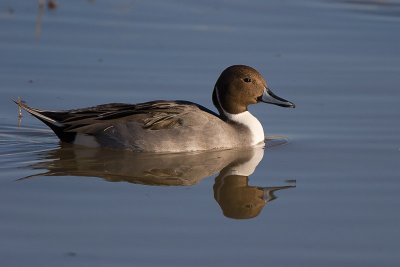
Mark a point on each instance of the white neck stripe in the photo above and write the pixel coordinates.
(219, 102)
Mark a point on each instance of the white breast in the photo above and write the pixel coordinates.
(251, 122)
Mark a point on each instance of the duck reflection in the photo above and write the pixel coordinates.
(232, 191)
(237, 199)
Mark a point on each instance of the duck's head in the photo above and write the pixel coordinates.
(239, 86)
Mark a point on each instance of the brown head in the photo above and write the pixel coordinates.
(239, 86)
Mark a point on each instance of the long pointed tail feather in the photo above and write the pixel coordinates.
(38, 114)
(55, 125)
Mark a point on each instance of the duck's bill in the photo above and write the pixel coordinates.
(269, 192)
(269, 97)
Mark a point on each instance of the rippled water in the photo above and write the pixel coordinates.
(324, 192)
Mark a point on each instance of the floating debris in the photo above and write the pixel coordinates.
(19, 101)
(52, 4)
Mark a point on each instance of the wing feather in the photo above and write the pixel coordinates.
(153, 115)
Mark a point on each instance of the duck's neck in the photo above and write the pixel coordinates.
(244, 118)
(249, 121)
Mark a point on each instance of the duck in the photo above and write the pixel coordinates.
(171, 126)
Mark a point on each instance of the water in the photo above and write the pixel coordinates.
(339, 61)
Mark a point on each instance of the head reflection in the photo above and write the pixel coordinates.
(237, 199)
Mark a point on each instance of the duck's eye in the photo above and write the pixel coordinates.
(247, 80)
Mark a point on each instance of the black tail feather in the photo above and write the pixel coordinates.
(46, 118)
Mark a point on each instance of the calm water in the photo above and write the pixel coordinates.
(333, 164)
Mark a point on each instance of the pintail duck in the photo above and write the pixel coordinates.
(171, 126)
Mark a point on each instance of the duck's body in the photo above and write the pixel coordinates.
(158, 126)
(170, 126)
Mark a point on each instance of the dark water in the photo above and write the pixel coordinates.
(335, 160)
